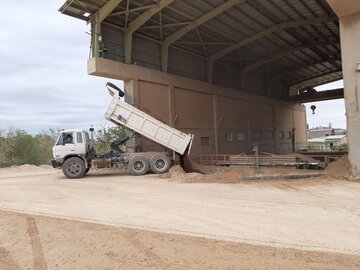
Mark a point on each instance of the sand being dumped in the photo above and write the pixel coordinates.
(175, 171)
(340, 169)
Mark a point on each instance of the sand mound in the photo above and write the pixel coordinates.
(174, 172)
(340, 169)
(178, 174)
(28, 167)
(230, 177)
(21, 168)
(24, 168)
(45, 166)
(236, 176)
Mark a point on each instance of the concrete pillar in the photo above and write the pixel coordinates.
(171, 105)
(216, 123)
(248, 119)
(95, 33)
(131, 91)
(275, 133)
(131, 97)
(348, 12)
(293, 139)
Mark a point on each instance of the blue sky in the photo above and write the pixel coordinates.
(331, 111)
(43, 78)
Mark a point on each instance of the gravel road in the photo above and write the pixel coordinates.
(314, 215)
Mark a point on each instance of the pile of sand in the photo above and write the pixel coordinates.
(46, 166)
(174, 172)
(340, 169)
(25, 168)
(178, 174)
(228, 177)
(21, 168)
(235, 176)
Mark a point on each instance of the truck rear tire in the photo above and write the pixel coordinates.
(160, 163)
(74, 167)
(138, 165)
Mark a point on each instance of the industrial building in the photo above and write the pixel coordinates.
(319, 132)
(231, 72)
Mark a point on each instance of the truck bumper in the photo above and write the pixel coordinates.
(55, 164)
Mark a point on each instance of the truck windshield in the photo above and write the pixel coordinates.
(60, 139)
(65, 138)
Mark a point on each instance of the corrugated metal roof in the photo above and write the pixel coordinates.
(241, 21)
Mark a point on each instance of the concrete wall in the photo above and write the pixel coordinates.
(223, 120)
(349, 18)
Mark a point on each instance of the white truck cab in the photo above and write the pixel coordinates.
(70, 144)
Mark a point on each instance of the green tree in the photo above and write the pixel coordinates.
(2, 147)
(18, 148)
(343, 147)
(45, 143)
(105, 136)
(21, 148)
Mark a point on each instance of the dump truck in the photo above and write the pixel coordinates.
(74, 154)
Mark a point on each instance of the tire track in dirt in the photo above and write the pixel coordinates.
(36, 247)
(151, 256)
(133, 240)
(7, 261)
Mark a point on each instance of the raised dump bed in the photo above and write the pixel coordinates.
(124, 114)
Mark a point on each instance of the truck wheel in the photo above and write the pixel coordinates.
(160, 163)
(74, 168)
(138, 165)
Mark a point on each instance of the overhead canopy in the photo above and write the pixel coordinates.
(292, 45)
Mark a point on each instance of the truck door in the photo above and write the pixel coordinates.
(65, 145)
(80, 146)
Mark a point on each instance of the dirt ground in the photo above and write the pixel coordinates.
(38, 242)
(111, 220)
(236, 174)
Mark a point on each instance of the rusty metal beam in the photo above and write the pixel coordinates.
(137, 23)
(96, 21)
(274, 29)
(313, 96)
(298, 83)
(191, 26)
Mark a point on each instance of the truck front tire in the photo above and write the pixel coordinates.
(138, 165)
(74, 167)
(160, 163)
